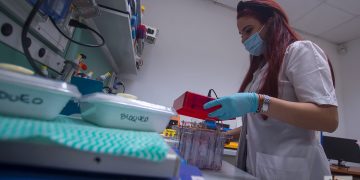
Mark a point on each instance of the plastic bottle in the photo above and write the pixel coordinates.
(90, 74)
(104, 76)
(44, 70)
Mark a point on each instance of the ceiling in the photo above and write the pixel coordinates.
(337, 21)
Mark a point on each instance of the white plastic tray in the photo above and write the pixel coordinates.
(34, 97)
(123, 113)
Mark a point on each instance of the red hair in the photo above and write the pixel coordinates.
(280, 36)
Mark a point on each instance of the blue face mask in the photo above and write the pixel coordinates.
(254, 44)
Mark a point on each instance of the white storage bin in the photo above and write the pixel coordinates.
(34, 97)
(123, 113)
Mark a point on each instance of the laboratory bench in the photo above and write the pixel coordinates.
(69, 144)
(228, 171)
(39, 158)
(43, 161)
(25, 154)
(229, 156)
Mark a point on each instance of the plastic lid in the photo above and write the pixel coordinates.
(39, 82)
(15, 68)
(130, 96)
(107, 98)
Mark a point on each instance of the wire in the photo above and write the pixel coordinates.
(209, 93)
(108, 89)
(78, 24)
(24, 32)
(122, 84)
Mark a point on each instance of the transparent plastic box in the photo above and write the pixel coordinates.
(123, 113)
(201, 147)
(33, 97)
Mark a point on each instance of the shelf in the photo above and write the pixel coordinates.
(116, 30)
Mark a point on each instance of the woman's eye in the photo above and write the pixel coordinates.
(248, 31)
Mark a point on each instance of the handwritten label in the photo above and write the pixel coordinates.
(23, 98)
(134, 118)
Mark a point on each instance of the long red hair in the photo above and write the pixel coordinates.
(279, 36)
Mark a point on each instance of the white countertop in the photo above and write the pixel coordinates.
(228, 171)
(229, 152)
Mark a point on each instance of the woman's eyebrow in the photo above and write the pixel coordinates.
(244, 28)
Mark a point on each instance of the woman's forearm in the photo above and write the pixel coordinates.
(304, 115)
(234, 132)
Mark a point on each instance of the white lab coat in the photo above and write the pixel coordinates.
(277, 150)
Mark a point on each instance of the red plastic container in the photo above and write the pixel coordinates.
(191, 104)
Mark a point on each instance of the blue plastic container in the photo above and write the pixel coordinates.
(85, 86)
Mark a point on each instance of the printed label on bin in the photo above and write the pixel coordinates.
(23, 98)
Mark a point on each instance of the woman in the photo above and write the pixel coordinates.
(287, 95)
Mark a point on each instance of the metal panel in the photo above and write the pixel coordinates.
(49, 58)
(41, 25)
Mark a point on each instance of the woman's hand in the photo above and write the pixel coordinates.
(234, 106)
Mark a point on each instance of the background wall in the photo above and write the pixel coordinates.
(198, 48)
(350, 64)
(331, 51)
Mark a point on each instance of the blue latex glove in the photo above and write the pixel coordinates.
(234, 106)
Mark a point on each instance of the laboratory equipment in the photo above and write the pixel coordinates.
(72, 68)
(44, 23)
(44, 70)
(140, 39)
(86, 8)
(69, 70)
(17, 12)
(341, 149)
(231, 145)
(31, 96)
(151, 34)
(191, 104)
(56, 9)
(81, 62)
(89, 75)
(38, 50)
(118, 112)
(112, 83)
(104, 76)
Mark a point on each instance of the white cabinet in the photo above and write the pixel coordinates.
(120, 5)
(114, 25)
